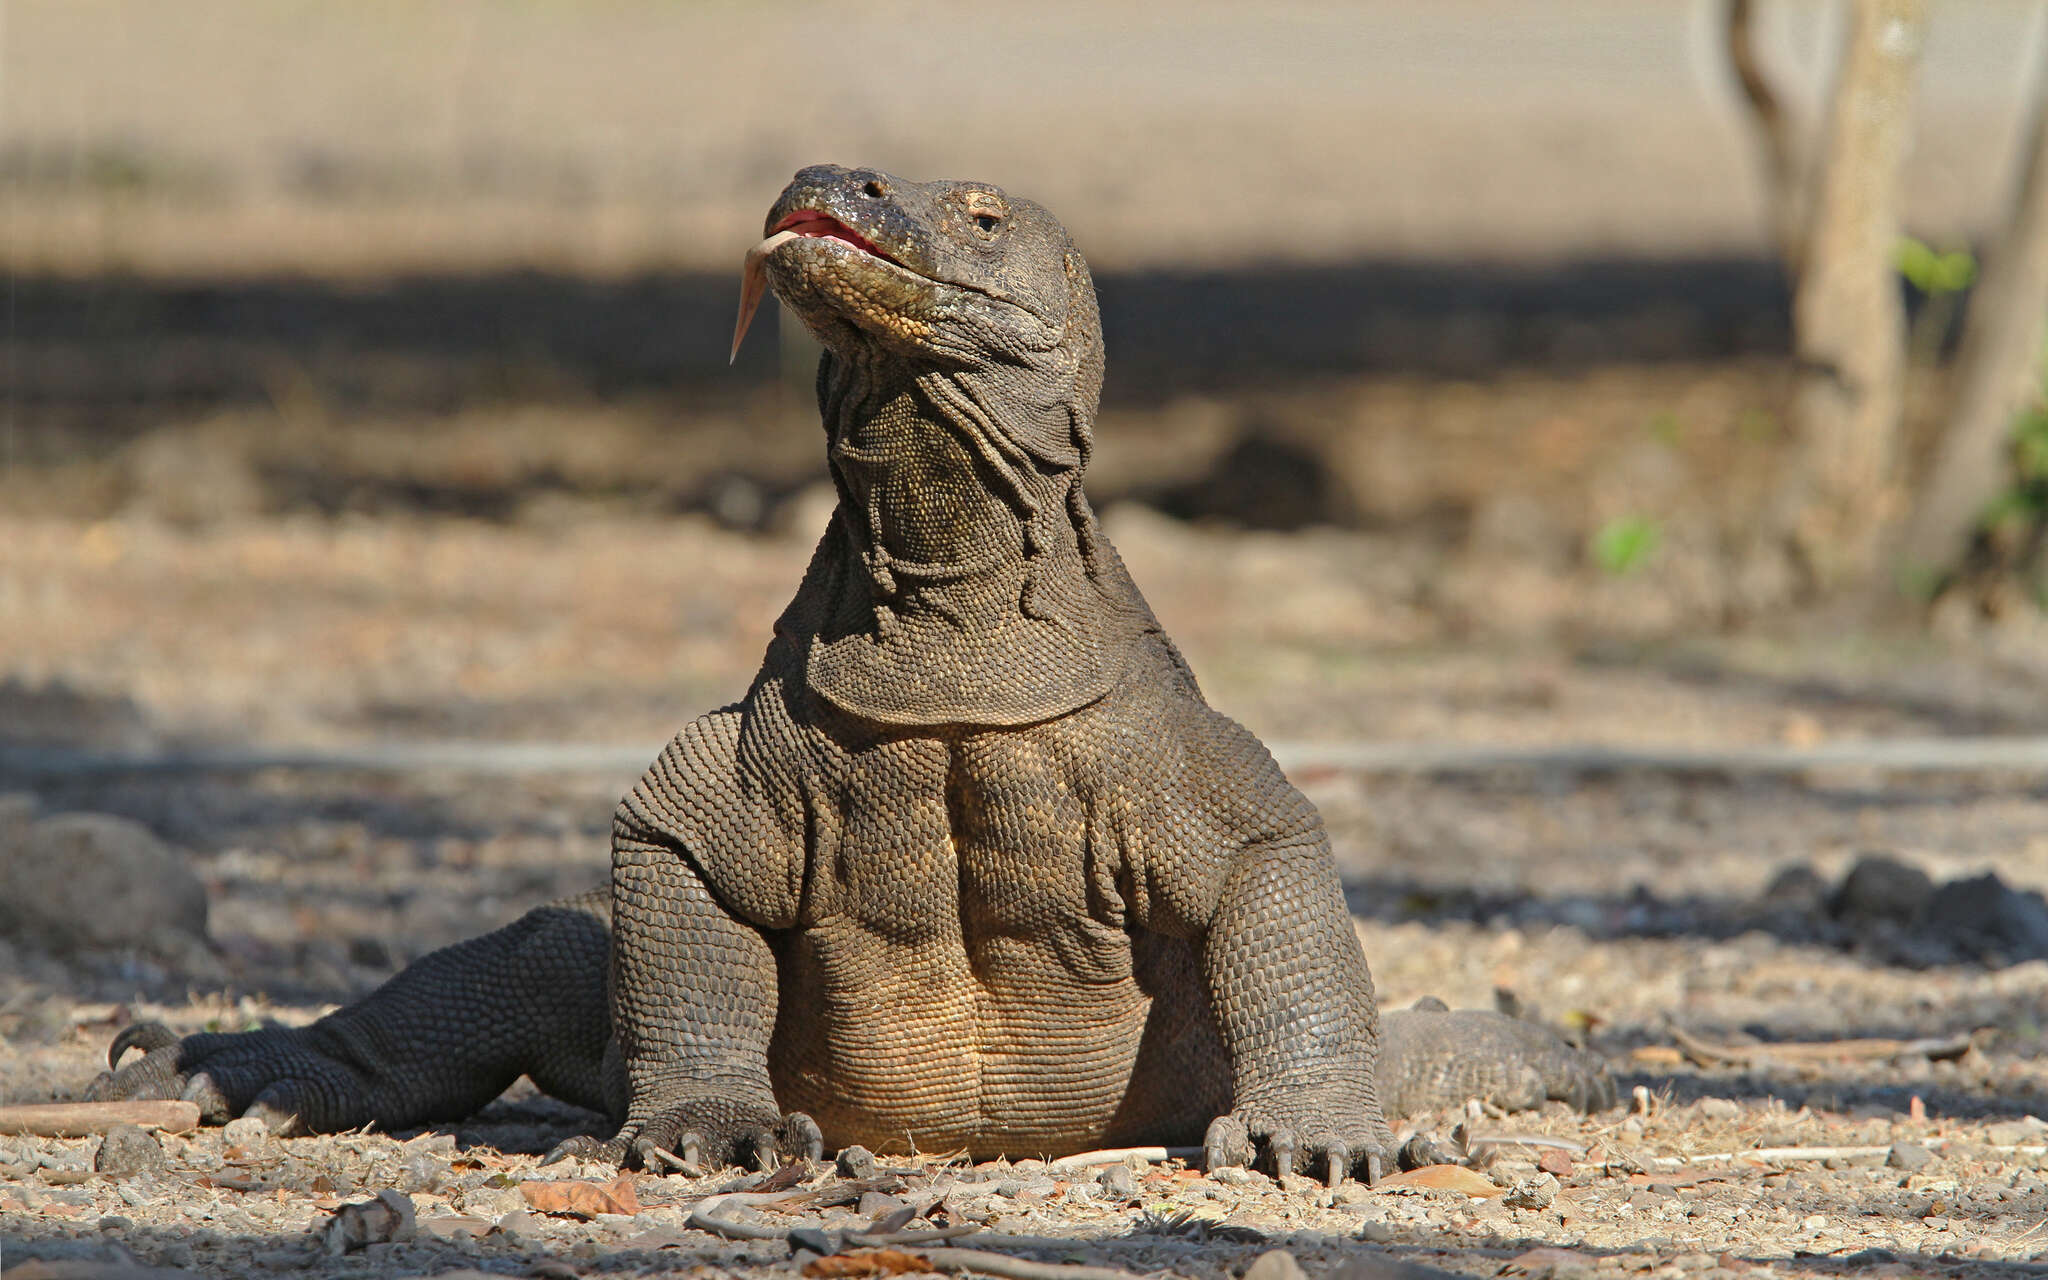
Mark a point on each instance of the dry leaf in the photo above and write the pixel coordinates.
(1446, 1177)
(582, 1199)
(386, 1219)
(867, 1262)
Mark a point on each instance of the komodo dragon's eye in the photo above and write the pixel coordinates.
(987, 210)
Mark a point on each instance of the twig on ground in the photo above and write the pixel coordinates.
(1002, 1264)
(1524, 1140)
(1117, 1155)
(1794, 1052)
(84, 1119)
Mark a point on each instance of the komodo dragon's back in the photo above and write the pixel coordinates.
(972, 863)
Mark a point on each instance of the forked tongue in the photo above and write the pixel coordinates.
(753, 283)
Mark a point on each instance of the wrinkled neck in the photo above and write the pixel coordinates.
(935, 496)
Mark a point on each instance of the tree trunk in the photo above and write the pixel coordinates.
(1998, 372)
(1847, 315)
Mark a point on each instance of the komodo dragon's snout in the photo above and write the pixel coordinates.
(972, 863)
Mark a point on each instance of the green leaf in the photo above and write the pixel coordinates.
(1626, 543)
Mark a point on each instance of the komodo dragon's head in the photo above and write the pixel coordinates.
(955, 279)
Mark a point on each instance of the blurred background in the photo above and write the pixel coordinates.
(364, 385)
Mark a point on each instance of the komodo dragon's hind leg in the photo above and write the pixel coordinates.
(436, 1042)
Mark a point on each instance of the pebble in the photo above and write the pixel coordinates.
(1720, 1109)
(1117, 1181)
(127, 1151)
(1910, 1156)
(1532, 1193)
(246, 1131)
(1275, 1264)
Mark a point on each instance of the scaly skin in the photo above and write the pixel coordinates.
(972, 864)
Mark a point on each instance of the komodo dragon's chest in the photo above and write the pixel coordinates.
(963, 972)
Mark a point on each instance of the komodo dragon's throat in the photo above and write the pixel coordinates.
(972, 863)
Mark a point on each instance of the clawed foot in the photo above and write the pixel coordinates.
(276, 1075)
(1283, 1140)
(705, 1133)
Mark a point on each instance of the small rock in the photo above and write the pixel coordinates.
(1879, 887)
(1119, 1182)
(1719, 1109)
(2013, 1133)
(1910, 1156)
(1275, 1264)
(1797, 888)
(128, 1151)
(855, 1162)
(122, 888)
(247, 1132)
(1232, 1176)
(810, 1238)
(1989, 919)
(1532, 1193)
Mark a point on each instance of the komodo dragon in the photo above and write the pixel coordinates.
(972, 864)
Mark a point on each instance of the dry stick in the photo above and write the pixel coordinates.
(1524, 1140)
(1799, 1052)
(1117, 1155)
(83, 1119)
(1002, 1264)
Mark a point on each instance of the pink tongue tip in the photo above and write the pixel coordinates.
(753, 283)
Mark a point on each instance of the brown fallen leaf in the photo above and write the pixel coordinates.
(582, 1199)
(867, 1262)
(1446, 1177)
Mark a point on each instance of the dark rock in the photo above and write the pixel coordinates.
(127, 1151)
(93, 882)
(1882, 888)
(1987, 919)
(1798, 889)
(856, 1162)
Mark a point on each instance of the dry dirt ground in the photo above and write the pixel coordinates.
(1623, 906)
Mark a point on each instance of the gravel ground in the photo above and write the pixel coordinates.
(1623, 907)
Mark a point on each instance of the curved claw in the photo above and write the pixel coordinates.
(581, 1147)
(1374, 1169)
(1282, 1146)
(146, 1036)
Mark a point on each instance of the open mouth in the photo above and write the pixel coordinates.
(815, 225)
(804, 224)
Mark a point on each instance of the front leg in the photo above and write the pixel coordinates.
(693, 977)
(1294, 1002)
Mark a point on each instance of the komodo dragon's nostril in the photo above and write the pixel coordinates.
(874, 190)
